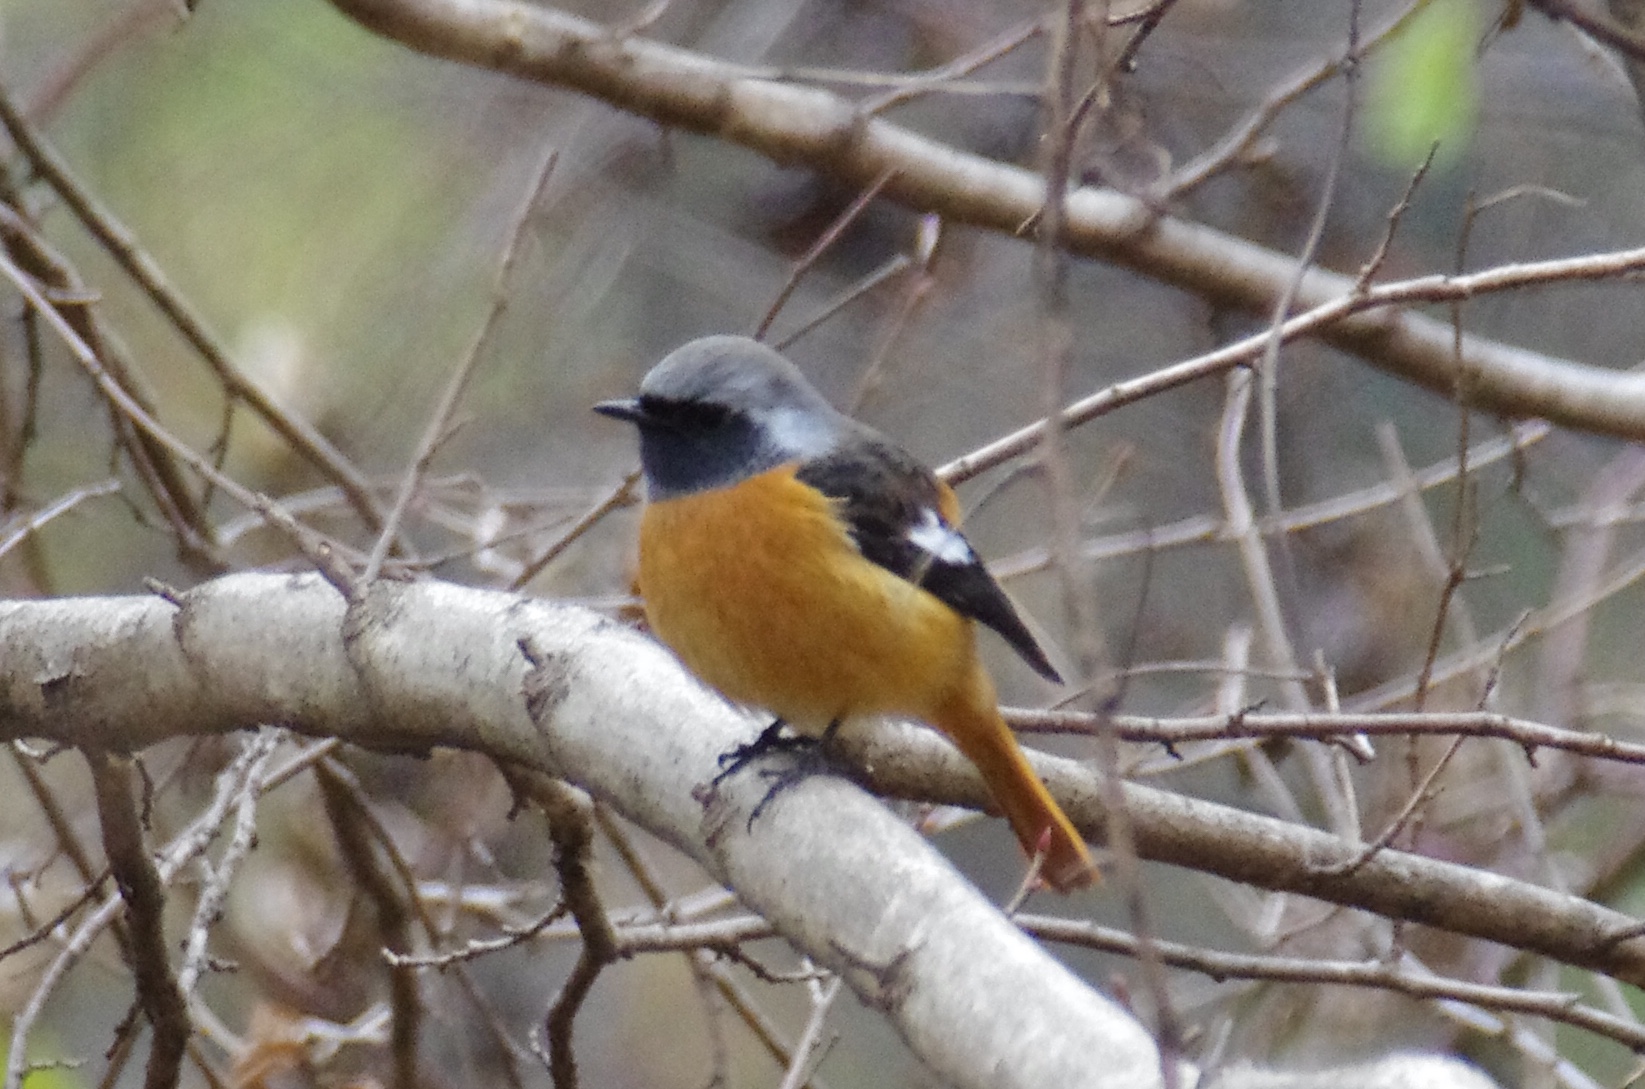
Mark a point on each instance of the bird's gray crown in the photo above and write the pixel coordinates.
(734, 372)
(762, 413)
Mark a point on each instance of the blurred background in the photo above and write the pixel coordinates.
(335, 207)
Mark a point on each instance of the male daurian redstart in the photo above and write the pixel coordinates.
(800, 562)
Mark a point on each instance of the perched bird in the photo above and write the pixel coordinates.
(800, 562)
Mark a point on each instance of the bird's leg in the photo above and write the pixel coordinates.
(771, 740)
(816, 757)
(809, 756)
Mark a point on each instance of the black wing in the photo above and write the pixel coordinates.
(893, 506)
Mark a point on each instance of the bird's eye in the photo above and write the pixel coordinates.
(686, 415)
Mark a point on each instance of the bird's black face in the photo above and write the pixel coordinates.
(693, 446)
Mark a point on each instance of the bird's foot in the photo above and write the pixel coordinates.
(771, 740)
(808, 756)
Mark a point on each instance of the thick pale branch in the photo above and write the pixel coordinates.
(418, 665)
(907, 761)
(428, 664)
(792, 124)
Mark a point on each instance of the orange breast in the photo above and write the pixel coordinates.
(760, 591)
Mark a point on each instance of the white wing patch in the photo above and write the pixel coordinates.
(940, 541)
(798, 435)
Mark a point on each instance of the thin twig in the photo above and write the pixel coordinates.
(1267, 371)
(1433, 288)
(209, 906)
(1396, 215)
(916, 290)
(72, 300)
(183, 849)
(1318, 726)
(942, 78)
(42, 517)
(1424, 792)
(1562, 1007)
(621, 496)
(896, 264)
(811, 1046)
(1422, 531)
(1614, 34)
(123, 247)
(125, 27)
(824, 242)
(1205, 529)
(47, 928)
(1238, 144)
(1146, 21)
(315, 547)
(142, 890)
(439, 420)
(511, 938)
(1077, 587)
(348, 814)
(702, 960)
(570, 815)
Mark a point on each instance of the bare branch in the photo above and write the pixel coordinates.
(307, 541)
(122, 245)
(186, 847)
(1320, 726)
(570, 815)
(431, 664)
(359, 841)
(140, 887)
(1404, 978)
(439, 420)
(824, 132)
(411, 666)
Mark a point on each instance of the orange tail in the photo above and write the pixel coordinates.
(971, 718)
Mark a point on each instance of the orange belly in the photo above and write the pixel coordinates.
(760, 591)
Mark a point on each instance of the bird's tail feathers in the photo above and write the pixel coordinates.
(972, 721)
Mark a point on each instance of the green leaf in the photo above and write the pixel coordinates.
(1423, 86)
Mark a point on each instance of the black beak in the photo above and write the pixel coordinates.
(629, 410)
